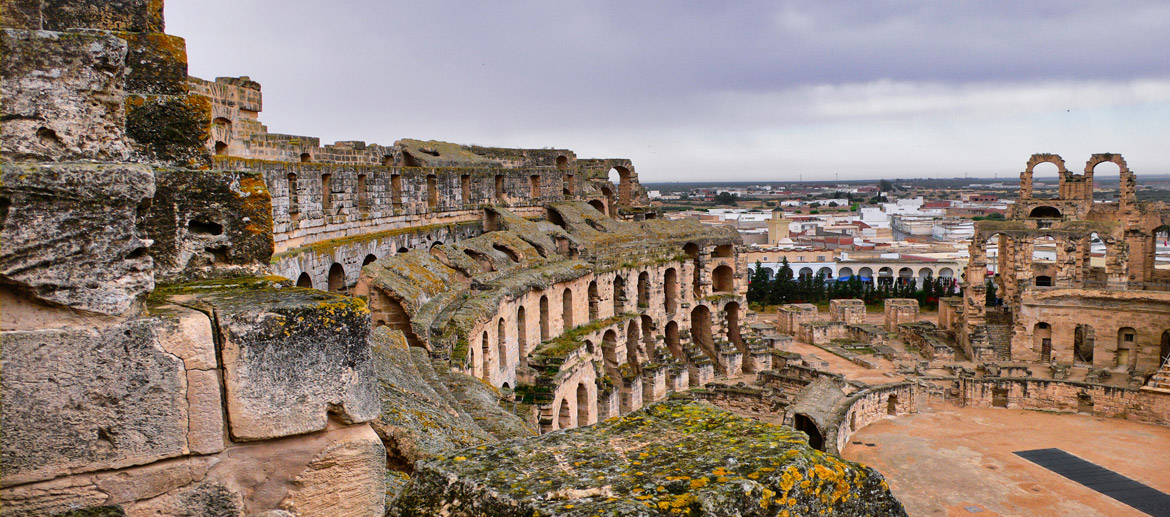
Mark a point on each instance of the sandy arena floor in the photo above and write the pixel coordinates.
(945, 459)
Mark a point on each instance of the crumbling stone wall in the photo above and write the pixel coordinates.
(1142, 405)
(122, 387)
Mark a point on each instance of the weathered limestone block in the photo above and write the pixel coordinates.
(706, 461)
(170, 128)
(61, 96)
(111, 15)
(71, 237)
(86, 400)
(900, 310)
(348, 478)
(156, 64)
(208, 224)
(290, 356)
(850, 311)
(206, 498)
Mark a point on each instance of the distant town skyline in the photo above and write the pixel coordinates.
(697, 91)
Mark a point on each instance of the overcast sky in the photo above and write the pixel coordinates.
(702, 90)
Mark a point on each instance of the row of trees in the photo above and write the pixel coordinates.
(783, 288)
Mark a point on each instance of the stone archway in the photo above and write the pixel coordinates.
(305, 281)
(336, 278)
(802, 422)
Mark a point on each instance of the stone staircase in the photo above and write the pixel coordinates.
(999, 336)
(1161, 380)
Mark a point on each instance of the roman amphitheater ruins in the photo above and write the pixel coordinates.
(201, 317)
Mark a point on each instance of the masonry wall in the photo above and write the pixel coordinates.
(1148, 406)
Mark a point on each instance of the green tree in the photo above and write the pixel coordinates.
(726, 198)
(758, 285)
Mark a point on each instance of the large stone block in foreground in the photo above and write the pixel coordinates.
(71, 234)
(85, 400)
(673, 457)
(291, 356)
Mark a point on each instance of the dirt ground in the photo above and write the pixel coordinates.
(958, 461)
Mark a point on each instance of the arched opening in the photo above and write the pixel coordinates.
(565, 416)
(562, 162)
(1126, 343)
(305, 281)
(825, 273)
(486, 347)
(500, 188)
(672, 341)
(368, 260)
(1043, 250)
(670, 288)
(622, 176)
(522, 336)
(408, 160)
(619, 295)
(866, 274)
(723, 279)
(609, 350)
(892, 404)
(221, 148)
(336, 278)
(509, 252)
(567, 308)
(905, 276)
(1042, 341)
(692, 251)
(306, 157)
(501, 345)
(885, 276)
(594, 301)
(597, 204)
(732, 311)
(1045, 212)
(723, 251)
(635, 354)
(701, 329)
(805, 424)
(1045, 177)
(648, 337)
(326, 192)
(485, 263)
(404, 249)
(1084, 338)
(925, 275)
(544, 331)
(582, 405)
(845, 273)
(554, 217)
(805, 272)
(643, 290)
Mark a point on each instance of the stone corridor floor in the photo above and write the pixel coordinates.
(949, 461)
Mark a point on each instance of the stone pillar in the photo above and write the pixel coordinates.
(850, 311)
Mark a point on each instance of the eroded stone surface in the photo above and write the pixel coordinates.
(290, 356)
(345, 479)
(673, 456)
(78, 400)
(62, 95)
(71, 234)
